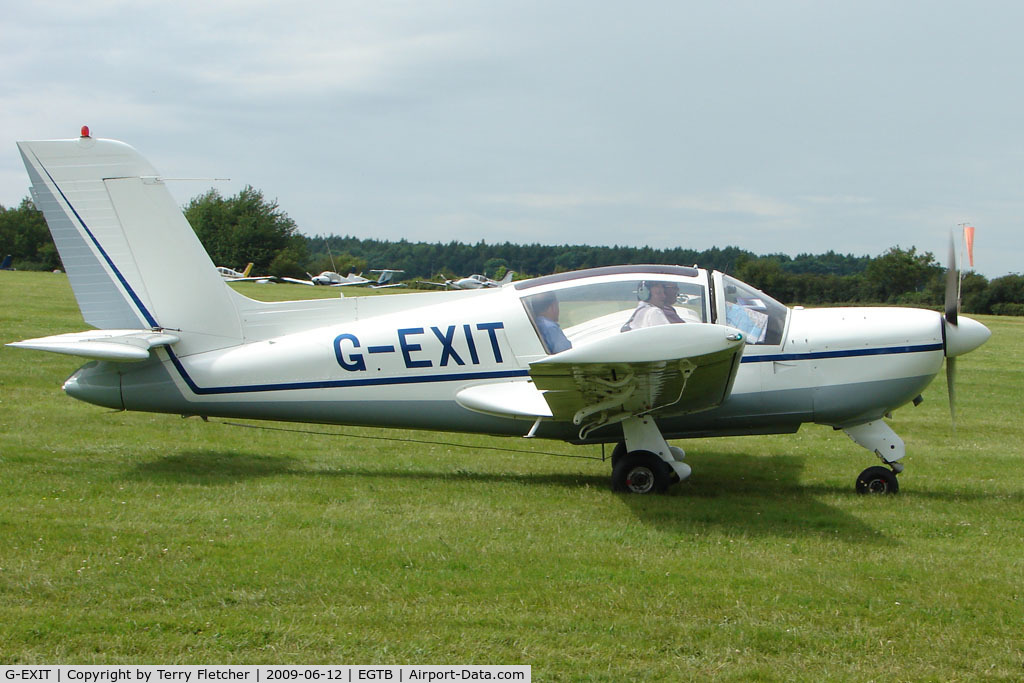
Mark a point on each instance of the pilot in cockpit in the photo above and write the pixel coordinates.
(545, 315)
(655, 307)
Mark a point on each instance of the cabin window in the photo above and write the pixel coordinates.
(592, 311)
(760, 317)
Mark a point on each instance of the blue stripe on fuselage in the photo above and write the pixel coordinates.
(846, 353)
(341, 383)
(420, 379)
(504, 374)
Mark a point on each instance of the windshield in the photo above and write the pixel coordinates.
(592, 311)
(761, 317)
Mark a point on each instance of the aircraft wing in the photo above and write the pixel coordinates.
(664, 370)
(297, 281)
(112, 345)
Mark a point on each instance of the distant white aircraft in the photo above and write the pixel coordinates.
(329, 278)
(564, 356)
(475, 281)
(232, 275)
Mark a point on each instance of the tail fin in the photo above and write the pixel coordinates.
(508, 278)
(132, 258)
(6, 265)
(386, 275)
(245, 273)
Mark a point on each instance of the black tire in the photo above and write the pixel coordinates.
(641, 472)
(877, 480)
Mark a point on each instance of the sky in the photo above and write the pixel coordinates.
(777, 127)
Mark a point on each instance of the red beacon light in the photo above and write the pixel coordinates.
(85, 131)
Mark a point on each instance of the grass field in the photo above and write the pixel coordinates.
(137, 538)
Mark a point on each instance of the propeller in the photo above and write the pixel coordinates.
(952, 306)
(952, 309)
(961, 334)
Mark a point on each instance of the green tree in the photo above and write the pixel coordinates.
(244, 228)
(900, 276)
(24, 235)
(1005, 295)
(495, 267)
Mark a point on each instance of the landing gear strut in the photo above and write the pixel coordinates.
(878, 437)
(644, 462)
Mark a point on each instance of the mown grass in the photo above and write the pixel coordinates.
(152, 539)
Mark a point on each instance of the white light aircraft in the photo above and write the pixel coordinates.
(331, 279)
(328, 278)
(179, 340)
(474, 281)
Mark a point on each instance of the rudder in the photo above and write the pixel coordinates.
(132, 258)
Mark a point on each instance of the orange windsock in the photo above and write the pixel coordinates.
(969, 241)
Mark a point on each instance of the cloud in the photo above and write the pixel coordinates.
(842, 199)
(796, 127)
(740, 203)
(560, 201)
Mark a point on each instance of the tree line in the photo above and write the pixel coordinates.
(248, 227)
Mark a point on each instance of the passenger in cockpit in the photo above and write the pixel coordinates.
(545, 314)
(655, 307)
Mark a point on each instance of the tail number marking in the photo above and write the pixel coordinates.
(440, 343)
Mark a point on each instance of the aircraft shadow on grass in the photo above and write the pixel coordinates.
(216, 468)
(766, 498)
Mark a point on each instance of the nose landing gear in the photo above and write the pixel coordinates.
(879, 438)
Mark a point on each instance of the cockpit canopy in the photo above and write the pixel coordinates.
(595, 303)
(750, 310)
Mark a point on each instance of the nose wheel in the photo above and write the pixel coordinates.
(878, 480)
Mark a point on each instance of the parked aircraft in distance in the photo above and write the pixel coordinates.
(329, 278)
(564, 356)
(6, 265)
(232, 275)
(475, 281)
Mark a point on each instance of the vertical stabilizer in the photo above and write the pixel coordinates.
(133, 260)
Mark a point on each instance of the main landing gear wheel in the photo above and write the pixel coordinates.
(877, 479)
(641, 472)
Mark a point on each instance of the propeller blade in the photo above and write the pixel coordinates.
(951, 389)
(952, 303)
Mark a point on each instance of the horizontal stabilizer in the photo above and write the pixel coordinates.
(113, 345)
